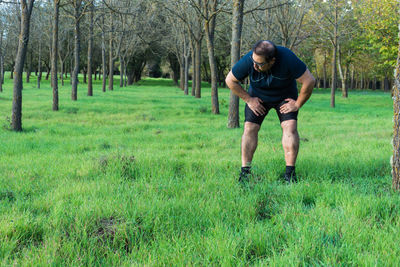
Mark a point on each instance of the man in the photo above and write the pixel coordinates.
(273, 72)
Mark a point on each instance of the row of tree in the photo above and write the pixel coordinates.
(347, 44)
(358, 37)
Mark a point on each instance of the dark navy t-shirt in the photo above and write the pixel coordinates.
(277, 83)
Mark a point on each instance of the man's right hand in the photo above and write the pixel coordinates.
(255, 104)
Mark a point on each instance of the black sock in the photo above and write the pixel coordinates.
(246, 169)
(290, 170)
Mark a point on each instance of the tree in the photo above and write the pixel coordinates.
(396, 134)
(90, 51)
(54, 53)
(26, 11)
(208, 11)
(79, 9)
(1, 59)
(330, 18)
(237, 23)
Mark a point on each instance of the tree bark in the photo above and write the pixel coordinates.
(396, 118)
(54, 81)
(186, 73)
(121, 72)
(103, 56)
(193, 64)
(343, 75)
(334, 71)
(237, 23)
(209, 27)
(197, 68)
(386, 86)
(39, 66)
(62, 73)
(77, 49)
(182, 73)
(324, 70)
(1, 61)
(28, 67)
(90, 48)
(111, 59)
(26, 11)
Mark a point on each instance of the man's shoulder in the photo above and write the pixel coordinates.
(284, 51)
(248, 54)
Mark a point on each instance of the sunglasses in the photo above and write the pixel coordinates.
(260, 65)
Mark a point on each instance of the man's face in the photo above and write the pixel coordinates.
(260, 64)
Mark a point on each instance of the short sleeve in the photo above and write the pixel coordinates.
(296, 66)
(241, 69)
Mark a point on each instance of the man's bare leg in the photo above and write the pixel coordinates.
(249, 142)
(290, 144)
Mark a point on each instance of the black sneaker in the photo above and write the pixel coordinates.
(244, 175)
(290, 178)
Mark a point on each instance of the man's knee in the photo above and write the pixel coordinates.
(251, 129)
(289, 127)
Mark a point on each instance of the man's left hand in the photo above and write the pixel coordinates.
(290, 106)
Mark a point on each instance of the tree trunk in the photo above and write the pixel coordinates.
(374, 83)
(237, 23)
(125, 73)
(197, 68)
(103, 56)
(121, 72)
(54, 81)
(334, 71)
(182, 73)
(111, 59)
(1, 73)
(209, 27)
(352, 77)
(84, 72)
(396, 118)
(386, 86)
(62, 73)
(186, 75)
(90, 48)
(193, 65)
(39, 66)
(324, 72)
(77, 49)
(1, 61)
(342, 75)
(26, 11)
(28, 68)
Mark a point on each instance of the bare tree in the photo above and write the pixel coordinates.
(54, 53)
(90, 51)
(330, 18)
(237, 24)
(26, 11)
(79, 9)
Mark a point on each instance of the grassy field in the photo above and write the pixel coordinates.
(147, 176)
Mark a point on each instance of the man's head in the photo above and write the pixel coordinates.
(264, 54)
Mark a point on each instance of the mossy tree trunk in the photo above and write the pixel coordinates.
(396, 118)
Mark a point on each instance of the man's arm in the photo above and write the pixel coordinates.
(254, 103)
(308, 82)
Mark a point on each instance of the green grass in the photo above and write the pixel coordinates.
(146, 175)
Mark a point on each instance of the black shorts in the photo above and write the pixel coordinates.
(251, 117)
